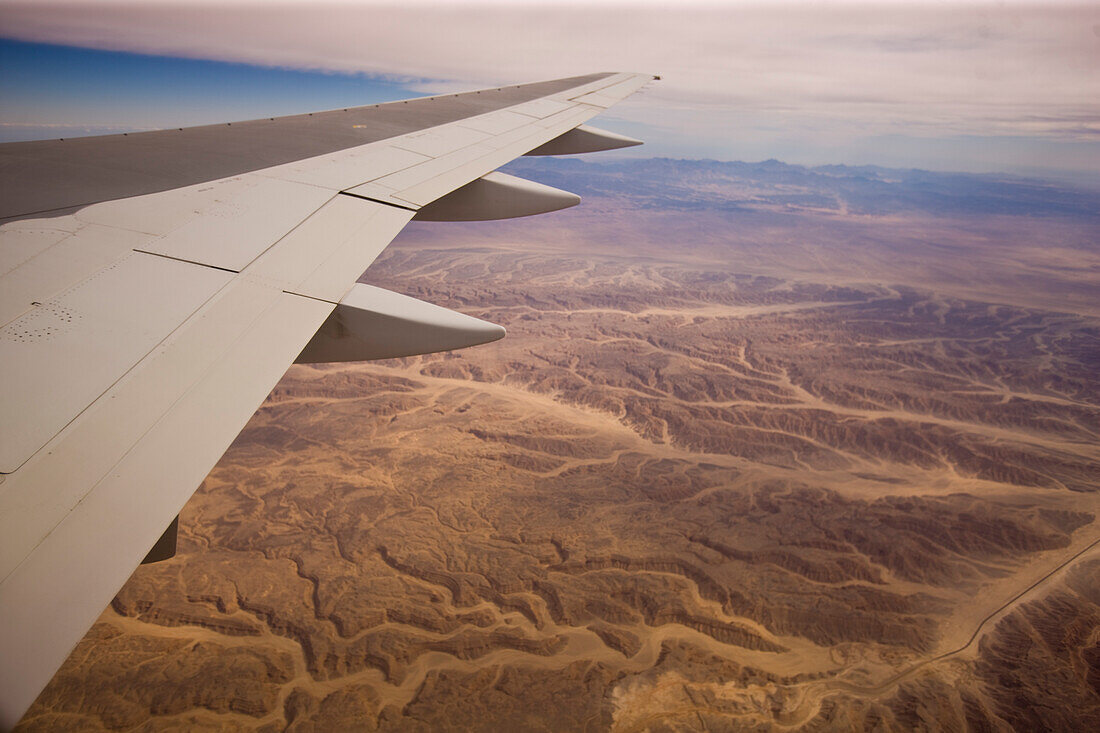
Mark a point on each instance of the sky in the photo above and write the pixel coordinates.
(974, 86)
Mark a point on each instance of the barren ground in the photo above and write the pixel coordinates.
(786, 464)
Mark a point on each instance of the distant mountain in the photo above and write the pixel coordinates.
(867, 190)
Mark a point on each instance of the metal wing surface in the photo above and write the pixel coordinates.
(154, 287)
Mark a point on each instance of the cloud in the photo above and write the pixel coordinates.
(817, 70)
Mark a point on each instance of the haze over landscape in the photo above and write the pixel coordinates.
(976, 86)
(765, 447)
(806, 443)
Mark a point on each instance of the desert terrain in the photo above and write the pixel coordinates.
(766, 448)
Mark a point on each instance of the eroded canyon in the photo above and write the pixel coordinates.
(764, 449)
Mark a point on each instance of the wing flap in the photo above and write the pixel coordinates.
(127, 463)
(133, 498)
(51, 175)
(72, 258)
(259, 261)
(609, 91)
(468, 157)
(64, 353)
(441, 140)
(339, 171)
(324, 256)
(540, 108)
(240, 225)
(498, 124)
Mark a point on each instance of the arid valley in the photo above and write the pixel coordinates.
(766, 448)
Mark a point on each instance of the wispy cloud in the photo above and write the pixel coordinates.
(814, 70)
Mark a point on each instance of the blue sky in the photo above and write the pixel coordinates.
(51, 91)
(974, 85)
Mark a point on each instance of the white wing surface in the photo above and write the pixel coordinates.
(154, 289)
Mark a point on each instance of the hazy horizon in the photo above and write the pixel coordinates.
(805, 445)
(978, 87)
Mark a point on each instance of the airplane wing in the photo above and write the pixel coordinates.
(155, 286)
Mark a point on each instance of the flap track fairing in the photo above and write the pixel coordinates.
(584, 139)
(372, 323)
(497, 196)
